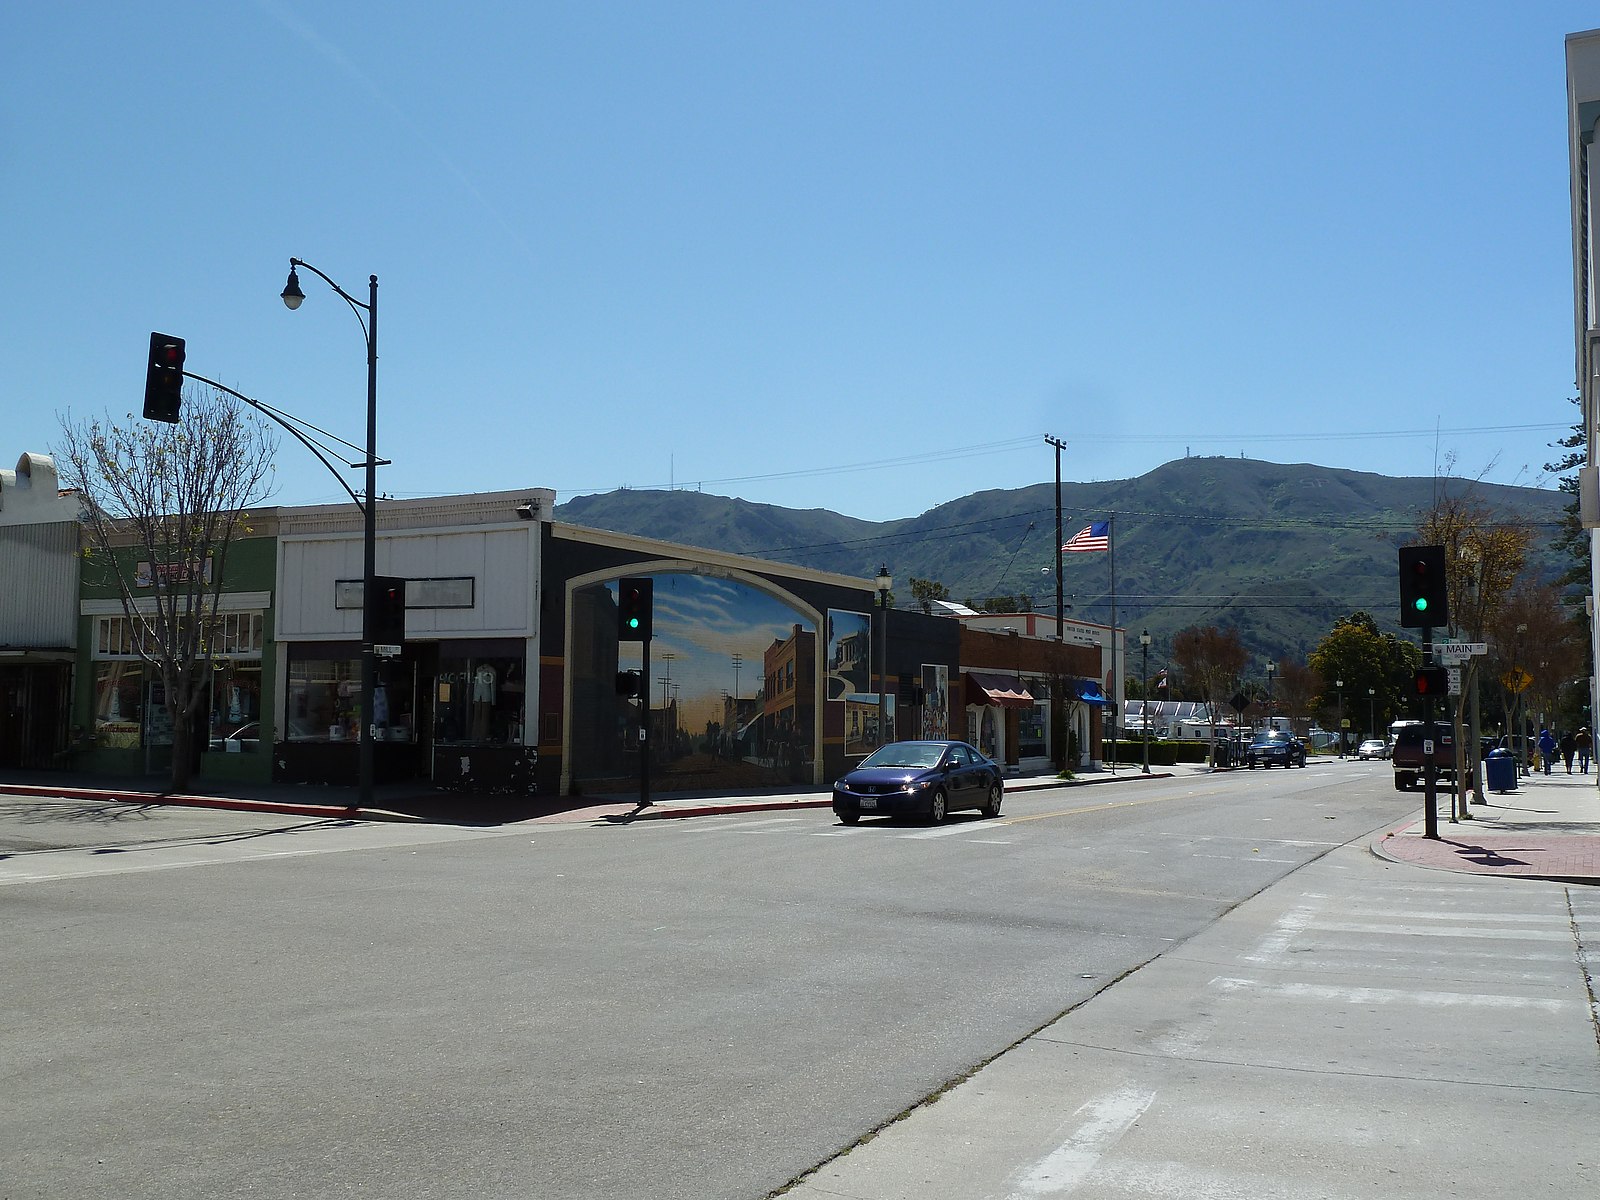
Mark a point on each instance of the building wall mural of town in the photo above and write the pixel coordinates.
(732, 688)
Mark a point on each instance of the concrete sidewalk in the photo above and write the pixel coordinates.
(1548, 828)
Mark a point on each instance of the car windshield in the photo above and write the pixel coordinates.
(1265, 738)
(905, 754)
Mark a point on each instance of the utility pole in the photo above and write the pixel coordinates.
(1058, 722)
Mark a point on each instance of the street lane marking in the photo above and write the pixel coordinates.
(1089, 808)
(941, 831)
(1104, 1121)
(1372, 995)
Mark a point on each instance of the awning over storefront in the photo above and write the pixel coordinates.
(1089, 691)
(1005, 690)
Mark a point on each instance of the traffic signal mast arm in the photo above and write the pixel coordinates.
(284, 419)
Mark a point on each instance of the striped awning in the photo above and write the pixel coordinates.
(984, 687)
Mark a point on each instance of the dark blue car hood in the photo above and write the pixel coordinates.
(888, 775)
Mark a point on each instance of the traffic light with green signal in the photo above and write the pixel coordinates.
(1424, 597)
(633, 609)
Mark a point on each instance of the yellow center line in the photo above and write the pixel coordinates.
(1089, 808)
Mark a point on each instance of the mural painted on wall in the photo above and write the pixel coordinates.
(861, 722)
(935, 700)
(849, 661)
(732, 688)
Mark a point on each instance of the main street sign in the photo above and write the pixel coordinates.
(1458, 652)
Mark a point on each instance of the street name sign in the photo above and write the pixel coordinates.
(1449, 653)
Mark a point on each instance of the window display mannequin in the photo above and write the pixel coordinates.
(483, 691)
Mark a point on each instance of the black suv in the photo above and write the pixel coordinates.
(1275, 746)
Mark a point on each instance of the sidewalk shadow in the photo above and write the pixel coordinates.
(1483, 856)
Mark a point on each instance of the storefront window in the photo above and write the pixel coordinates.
(118, 704)
(324, 701)
(1030, 733)
(236, 708)
(479, 700)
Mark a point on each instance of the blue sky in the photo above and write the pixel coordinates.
(849, 256)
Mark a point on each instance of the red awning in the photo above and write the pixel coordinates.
(984, 687)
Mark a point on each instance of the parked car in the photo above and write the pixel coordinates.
(1275, 746)
(246, 738)
(920, 779)
(1373, 748)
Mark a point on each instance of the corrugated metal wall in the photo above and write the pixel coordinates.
(39, 585)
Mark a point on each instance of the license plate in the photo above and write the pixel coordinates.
(868, 802)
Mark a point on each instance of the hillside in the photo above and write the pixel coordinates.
(1276, 551)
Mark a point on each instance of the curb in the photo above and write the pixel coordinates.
(658, 811)
(228, 803)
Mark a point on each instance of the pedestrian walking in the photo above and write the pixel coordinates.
(1585, 744)
(1569, 747)
(1547, 749)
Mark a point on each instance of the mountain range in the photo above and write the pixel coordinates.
(1277, 551)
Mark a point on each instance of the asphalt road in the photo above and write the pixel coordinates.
(212, 1003)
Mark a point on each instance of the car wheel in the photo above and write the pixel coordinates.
(936, 807)
(848, 818)
(996, 794)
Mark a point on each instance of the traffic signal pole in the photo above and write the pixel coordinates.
(644, 727)
(1430, 775)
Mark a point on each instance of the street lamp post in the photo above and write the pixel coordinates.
(884, 582)
(292, 298)
(1339, 684)
(1271, 667)
(1372, 711)
(1144, 646)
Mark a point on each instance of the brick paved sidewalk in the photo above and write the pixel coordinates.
(1493, 851)
(1548, 827)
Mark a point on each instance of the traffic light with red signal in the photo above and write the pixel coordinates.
(1431, 682)
(163, 381)
(634, 598)
(388, 610)
(1424, 595)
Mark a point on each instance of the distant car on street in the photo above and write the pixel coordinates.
(1373, 748)
(1275, 746)
(920, 779)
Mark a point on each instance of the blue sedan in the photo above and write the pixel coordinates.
(920, 779)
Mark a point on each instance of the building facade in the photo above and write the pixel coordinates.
(39, 539)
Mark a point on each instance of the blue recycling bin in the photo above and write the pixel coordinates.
(1500, 771)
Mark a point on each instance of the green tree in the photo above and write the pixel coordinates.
(1356, 652)
(925, 591)
(1572, 539)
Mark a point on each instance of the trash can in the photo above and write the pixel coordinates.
(1223, 753)
(1500, 771)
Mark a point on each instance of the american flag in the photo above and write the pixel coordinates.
(1161, 679)
(1095, 537)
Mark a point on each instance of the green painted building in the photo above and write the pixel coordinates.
(120, 723)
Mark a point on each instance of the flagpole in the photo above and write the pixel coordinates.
(1116, 692)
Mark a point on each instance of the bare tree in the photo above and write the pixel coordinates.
(1297, 686)
(173, 497)
(1209, 660)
